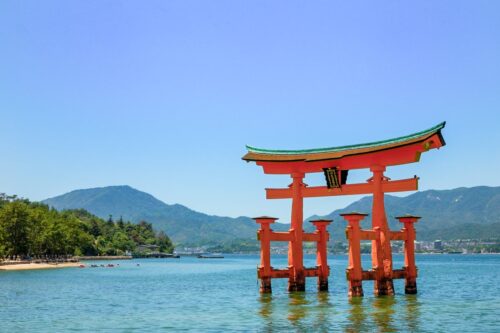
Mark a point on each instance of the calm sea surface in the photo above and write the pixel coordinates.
(457, 293)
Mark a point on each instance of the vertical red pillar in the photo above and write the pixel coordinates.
(322, 253)
(354, 270)
(296, 281)
(410, 267)
(381, 252)
(264, 235)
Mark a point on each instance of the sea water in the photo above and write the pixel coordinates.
(456, 293)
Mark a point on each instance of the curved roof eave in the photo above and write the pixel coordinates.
(254, 152)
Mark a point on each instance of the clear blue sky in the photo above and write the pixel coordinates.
(164, 95)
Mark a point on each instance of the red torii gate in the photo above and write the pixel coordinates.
(335, 162)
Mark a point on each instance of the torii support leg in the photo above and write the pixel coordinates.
(354, 270)
(264, 235)
(410, 268)
(321, 253)
(381, 254)
(297, 280)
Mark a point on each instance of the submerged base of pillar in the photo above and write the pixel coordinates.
(265, 286)
(411, 287)
(296, 285)
(384, 287)
(322, 284)
(355, 289)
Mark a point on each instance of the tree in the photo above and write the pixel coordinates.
(101, 245)
(40, 217)
(122, 242)
(94, 227)
(120, 223)
(164, 242)
(54, 238)
(30, 228)
(15, 223)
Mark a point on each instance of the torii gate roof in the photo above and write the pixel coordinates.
(400, 150)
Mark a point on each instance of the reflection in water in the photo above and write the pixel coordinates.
(383, 311)
(324, 313)
(266, 311)
(307, 315)
(357, 316)
(323, 306)
(297, 308)
(315, 312)
(412, 314)
(305, 312)
(266, 302)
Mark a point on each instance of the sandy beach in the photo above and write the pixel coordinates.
(22, 267)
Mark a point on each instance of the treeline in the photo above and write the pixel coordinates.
(32, 229)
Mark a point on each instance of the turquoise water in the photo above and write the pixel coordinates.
(457, 293)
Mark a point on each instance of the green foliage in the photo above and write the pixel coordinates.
(30, 229)
(183, 225)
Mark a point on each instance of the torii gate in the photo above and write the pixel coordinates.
(335, 162)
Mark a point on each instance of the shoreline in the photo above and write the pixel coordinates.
(91, 258)
(33, 266)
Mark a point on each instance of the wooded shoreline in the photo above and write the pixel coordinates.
(35, 232)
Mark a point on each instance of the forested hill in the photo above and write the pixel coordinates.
(447, 214)
(183, 225)
(32, 229)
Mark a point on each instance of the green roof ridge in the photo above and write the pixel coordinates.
(348, 147)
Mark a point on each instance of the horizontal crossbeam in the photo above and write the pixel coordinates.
(373, 235)
(397, 235)
(285, 273)
(410, 184)
(288, 236)
(281, 236)
(369, 235)
(372, 274)
(310, 237)
(364, 234)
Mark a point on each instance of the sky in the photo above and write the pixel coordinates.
(164, 95)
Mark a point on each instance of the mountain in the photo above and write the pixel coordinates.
(183, 225)
(447, 214)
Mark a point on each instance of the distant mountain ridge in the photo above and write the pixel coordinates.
(183, 225)
(445, 213)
